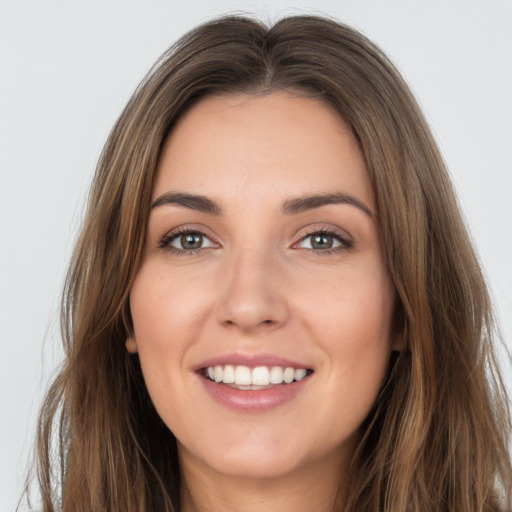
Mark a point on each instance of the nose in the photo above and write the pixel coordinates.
(252, 295)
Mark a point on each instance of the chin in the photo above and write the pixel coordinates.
(264, 466)
(268, 457)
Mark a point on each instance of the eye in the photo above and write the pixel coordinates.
(324, 241)
(189, 241)
(186, 241)
(319, 241)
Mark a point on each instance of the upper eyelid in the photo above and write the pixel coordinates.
(187, 228)
(330, 230)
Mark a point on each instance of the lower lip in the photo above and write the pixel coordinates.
(253, 400)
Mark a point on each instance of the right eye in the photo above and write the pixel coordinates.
(188, 241)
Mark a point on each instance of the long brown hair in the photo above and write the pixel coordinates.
(436, 439)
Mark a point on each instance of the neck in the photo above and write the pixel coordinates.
(318, 487)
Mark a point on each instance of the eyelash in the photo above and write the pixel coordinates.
(166, 241)
(343, 239)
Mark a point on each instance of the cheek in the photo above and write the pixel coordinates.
(166, 309)
(165, 324)
(352, 325)
(352, 312)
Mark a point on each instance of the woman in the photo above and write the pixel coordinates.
(274, 303)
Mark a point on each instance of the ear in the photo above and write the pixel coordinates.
(131, 344)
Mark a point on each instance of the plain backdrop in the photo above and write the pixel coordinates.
(68, 68)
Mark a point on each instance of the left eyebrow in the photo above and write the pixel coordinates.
(191, 201)
(303, 203)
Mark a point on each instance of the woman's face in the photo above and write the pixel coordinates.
(262, 308)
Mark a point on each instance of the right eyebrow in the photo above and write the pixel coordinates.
(191, 201)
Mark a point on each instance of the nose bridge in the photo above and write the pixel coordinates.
(250, 295)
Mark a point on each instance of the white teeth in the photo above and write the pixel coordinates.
(258, 376)
(229, 374)
(276, 375)
(243, 376)
(289, 375)
(300, 374)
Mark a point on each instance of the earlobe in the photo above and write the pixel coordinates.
(131, 345)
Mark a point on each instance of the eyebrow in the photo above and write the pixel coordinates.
(304, 203)
(290, 206)
(192, 201)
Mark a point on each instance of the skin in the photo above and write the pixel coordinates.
(257, 286)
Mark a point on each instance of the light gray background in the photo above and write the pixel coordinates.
(67, 69)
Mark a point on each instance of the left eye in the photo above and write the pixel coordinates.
(190, 241)
(320, 241)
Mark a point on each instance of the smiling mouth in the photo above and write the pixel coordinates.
(257, 378)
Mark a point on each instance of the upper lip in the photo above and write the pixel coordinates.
(251, 360)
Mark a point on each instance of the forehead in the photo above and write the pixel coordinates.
(267, 145)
